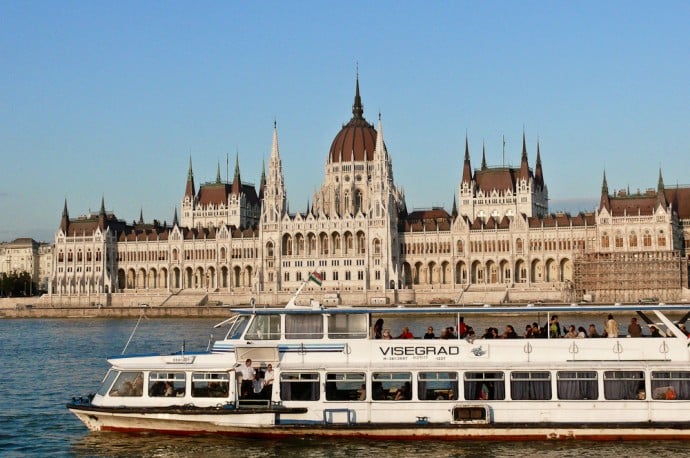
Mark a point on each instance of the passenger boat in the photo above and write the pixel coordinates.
(333, 378)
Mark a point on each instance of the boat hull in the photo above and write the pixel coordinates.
(268, 425)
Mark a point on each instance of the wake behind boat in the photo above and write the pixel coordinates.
(322, 371)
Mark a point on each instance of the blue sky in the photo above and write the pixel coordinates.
(111, 98)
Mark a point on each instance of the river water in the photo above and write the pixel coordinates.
(45, 362)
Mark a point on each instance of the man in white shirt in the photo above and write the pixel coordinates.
(248, 374)
(268, 382)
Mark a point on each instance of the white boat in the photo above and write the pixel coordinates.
(332, 378)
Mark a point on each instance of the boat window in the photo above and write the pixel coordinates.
(210, 384)
(577, 385)
(264, 327)
(484, 386)
(108, 381)
(237, 328)
(624, 385)
(296, 386)
(128, 384)
(346, 387)
(437, 386)
(671, 385)
(345, 326)
(391, 386)
(303, 326)
(530, 385)
(170, 384)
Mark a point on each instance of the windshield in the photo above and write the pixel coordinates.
(237, 328)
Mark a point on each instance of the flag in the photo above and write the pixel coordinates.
(316, 278)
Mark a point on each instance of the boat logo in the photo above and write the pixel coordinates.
(478, 351)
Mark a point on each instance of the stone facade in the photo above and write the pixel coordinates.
(499, 242)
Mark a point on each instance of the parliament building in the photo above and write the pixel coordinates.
(499, 243)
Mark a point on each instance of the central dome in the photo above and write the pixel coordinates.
(357, 139)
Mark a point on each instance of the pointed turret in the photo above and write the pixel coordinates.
(660, 194)
(262, 182)
(218, 174)
(524, 165)
(101, 215)
(484, 167)
(605, 201)
(466, 167)
(274, 190)
(357, 108)
(175, 221)
(64, 221)
(141, 216)
(236, 181)
(454, 212)
(189, 189)
(538, 174)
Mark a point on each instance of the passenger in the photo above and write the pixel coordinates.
(462, 328)
(536, 332)
(554, 327)
(451, 394)
(405, 334)
(611, 327)
(169, 390)
(593, 331)
(528, 332)
(387, 334)
(127, 389)
(654, 331)
(470, 336)
(138, 386)
(378, 328)
(377, 392)
(491, 333)
(634, 329)
(509, 333)
(404, 393)
(572, 333)
(362, 393)
(581, 333)
(157, 389)
(430, 333)
(248, 375)
(670, 394)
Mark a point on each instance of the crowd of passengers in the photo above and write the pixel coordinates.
(532, 331)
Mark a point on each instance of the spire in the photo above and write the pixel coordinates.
(483, 157)
(262, 182)
(101, 214)
(524, 165)
(538, 174)
(175, 221)
(218, 174)
(380, 149)
(189, 189)
(236, 181)
(141, 216)
(466, 168)
(64, 222)
(454, 212)
(660, 194)
(605, 201)
(357, 109)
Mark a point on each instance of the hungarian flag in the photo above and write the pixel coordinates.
(316, 278)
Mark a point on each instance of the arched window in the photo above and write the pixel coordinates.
(647, 239)
(605, 240)
(269, 250)
(661, 239)
(632, 240)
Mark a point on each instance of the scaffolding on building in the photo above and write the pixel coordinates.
(629, 277)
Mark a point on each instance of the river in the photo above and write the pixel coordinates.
(45, 362)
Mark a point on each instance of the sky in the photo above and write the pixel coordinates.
(111, 99)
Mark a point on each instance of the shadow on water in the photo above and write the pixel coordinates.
(114, 444)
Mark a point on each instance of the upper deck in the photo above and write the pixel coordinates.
(344, 336)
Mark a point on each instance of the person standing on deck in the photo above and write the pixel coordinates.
(611, 327)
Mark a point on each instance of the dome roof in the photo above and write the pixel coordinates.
(357, 139)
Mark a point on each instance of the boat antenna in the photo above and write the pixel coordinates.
(141, 315)
(210, 340)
